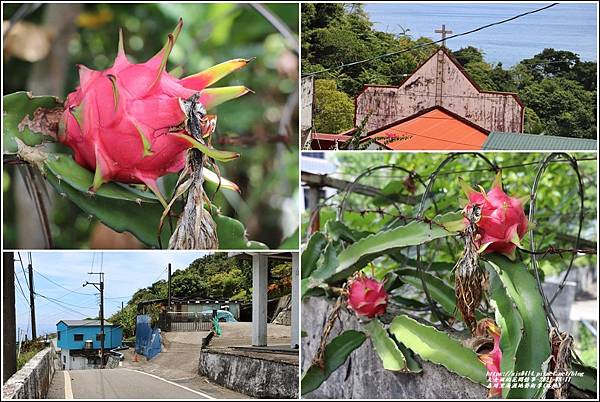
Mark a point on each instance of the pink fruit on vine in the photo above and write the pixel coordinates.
(127, 123)
(492, 360)
(503, 222)
(366, 296)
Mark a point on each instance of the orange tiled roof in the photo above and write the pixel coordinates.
(434, 129)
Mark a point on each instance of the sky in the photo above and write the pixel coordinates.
(124, 274)
(566, 26)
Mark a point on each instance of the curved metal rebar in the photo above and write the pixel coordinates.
(553, 157)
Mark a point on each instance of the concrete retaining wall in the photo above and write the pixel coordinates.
(362, 376)
(33, 380)
(251, 376)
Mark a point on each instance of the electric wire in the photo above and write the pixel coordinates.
(342, 66)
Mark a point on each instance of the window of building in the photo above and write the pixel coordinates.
(58, 335)
(64, 359)
(78, 337)
(99, 338)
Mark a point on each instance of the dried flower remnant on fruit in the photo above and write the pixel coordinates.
(468, 275)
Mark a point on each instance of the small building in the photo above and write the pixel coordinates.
(198, 305)
(79, 342)
(191, 305)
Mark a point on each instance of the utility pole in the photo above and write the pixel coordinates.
(121, 306)
(32, 302)
(169, 290)
(9, 328)
(100, 287)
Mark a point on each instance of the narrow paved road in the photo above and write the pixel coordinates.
(117, 384)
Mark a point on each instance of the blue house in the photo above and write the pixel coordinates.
(79, 342)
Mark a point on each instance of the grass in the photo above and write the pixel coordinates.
(29, 351)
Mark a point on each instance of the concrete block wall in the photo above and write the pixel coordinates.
(34, 378)
(362, 376)
(258, 378)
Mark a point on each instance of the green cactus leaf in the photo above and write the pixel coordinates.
(440, 291)
(510, 323)
(412, 365)
(357, 255)
(232, 234)
(534, 347)
(64, 168)
(338, 231)
(18, 109)
(142, 219)
(387, 350)
(120, 215)
(312, 253)
(438, 347)
(329, 263)
(588, 380)
(336, 353)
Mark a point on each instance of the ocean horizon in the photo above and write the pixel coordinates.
(567, 26)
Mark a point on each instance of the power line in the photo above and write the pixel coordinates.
(117, 297)
(161, 274)
(430, 43)
(21, 289)
(23, 269)
(61, 286)
(63, 307)
(64, 302)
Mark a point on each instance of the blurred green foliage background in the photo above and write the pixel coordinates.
(262, 126)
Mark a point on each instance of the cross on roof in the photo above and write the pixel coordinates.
(443, 32)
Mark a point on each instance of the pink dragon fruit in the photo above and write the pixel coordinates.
(503, 222)
(366, 296)
(127, 123)
(492, 360)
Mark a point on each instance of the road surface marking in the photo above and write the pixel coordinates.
(68, 389)
(202, 394)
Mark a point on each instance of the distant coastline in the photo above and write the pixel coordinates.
(567, 26)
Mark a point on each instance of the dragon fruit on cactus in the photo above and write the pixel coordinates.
(366, 296)
(127, 123)
(492, 360)
(503, 222)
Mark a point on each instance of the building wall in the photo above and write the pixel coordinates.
(234, 308)
(71, 360)
(307, 103)
(386, 104)
(113, 336)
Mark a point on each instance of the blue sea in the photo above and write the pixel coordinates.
(567, 26)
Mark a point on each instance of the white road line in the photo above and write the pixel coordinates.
(68, 389)
(202, 394)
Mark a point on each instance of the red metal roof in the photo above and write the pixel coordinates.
(327, 141)
(432, 129)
